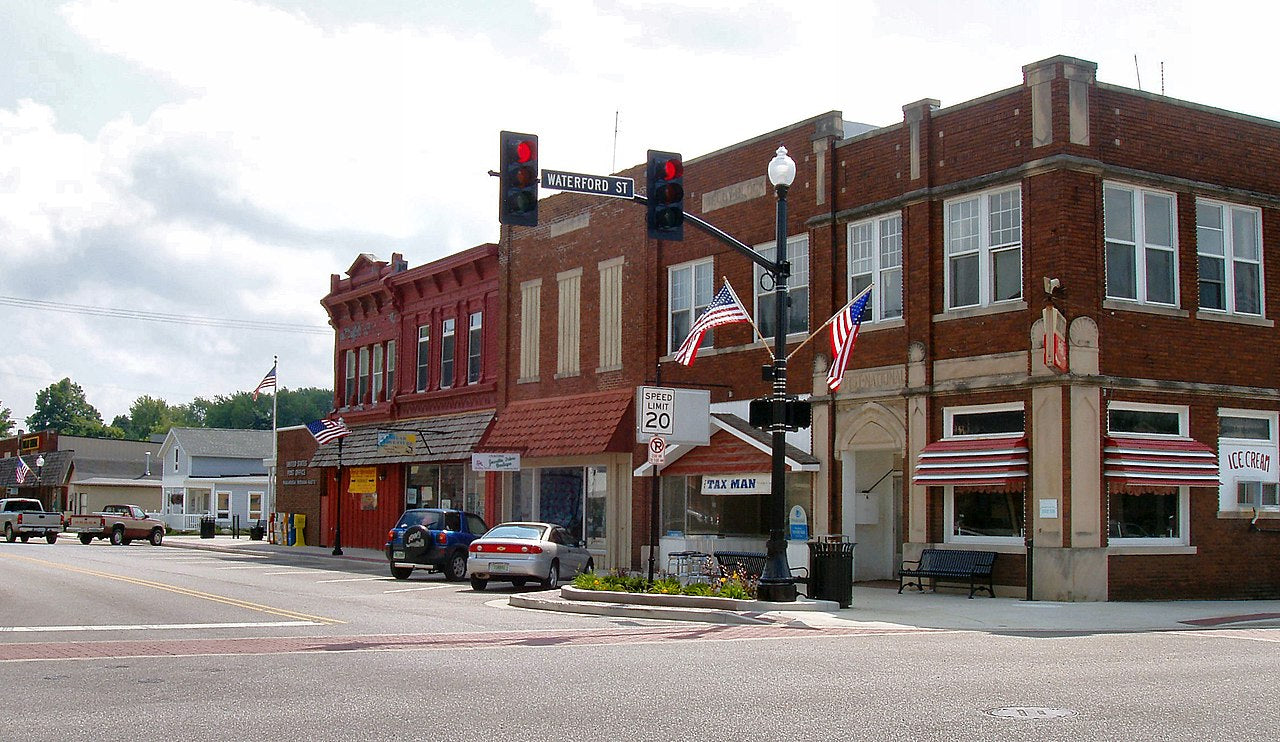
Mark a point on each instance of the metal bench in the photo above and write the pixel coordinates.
(949, 565)
(747, 563)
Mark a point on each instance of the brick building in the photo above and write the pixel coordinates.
(416, 380)
(1138, 462)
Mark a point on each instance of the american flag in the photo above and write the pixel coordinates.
(844, 333)
(724, 309)
(326, 431)
(268, 382)
(22, 471)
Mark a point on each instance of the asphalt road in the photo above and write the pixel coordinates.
(160, 643)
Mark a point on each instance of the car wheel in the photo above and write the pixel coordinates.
(9, 535)
(157, 536)
(456, 569)
(51, 537)
(478, 584)
(86, 539)
(401, 573)
(117, 536)
(553, 576)
(518, 582)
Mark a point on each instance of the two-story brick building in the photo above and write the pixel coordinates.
(415, 379)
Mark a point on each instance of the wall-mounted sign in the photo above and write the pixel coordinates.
(799, 523)
(1048, 509)
(495, 462)
(369, 501)
(1055, 340)
(396, 443)
(736, 484)
(364, 479)
(1250, 463)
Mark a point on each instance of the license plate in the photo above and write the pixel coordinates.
(397, 555)
(498, 566)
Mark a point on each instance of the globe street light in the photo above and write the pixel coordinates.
(776, 583)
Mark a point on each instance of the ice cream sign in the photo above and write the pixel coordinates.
(1251, 463)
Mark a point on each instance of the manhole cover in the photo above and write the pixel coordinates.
(1031, 712)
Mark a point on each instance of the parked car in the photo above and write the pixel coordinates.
(24, 517)
(519, 552)
(119, 523)
(434, 539)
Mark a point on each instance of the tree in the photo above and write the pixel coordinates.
(62, 407)
(6, 421)
(301, 406)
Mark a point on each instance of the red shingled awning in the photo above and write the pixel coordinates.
(578, 425)
(977, 462)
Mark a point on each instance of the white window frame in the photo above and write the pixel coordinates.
(875, 265)
(378, 394)
(695, 309)
(1140, 245)
(255, 514)
(475, 347)
(1228, 495)
(949, 492)
(448, 351)
(798, 257)
(422, 382)
(1184, 493)
(949, 415)
(982, 246)
(391, 369)
(350, 389)
(221, 512)
(1229, 259)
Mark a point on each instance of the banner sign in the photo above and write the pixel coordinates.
(364, 479)
(737, 484)
(495, 462)
(1055, 340)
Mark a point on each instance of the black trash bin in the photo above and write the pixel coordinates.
(831, 571)
(207, 525)
(257, 530)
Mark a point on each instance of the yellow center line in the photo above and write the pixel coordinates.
(181, 591)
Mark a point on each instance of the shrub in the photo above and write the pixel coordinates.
(698, 588)
(666, 586)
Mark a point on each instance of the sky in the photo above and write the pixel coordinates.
(178, 180)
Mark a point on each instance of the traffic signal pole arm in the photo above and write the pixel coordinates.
(711, 229)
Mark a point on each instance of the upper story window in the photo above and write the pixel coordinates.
(350, 388)
(984, 420)
(391, 369)
(379, 393)
(364, 374)
(689, 292)
(875, 256)
(424, 357)
(475, 343)
(1229, 249)
(448, 347)
(797, 288)
(984, 248)
(1141, 244)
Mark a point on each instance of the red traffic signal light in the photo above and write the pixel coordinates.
(664, 176)
(518, 193)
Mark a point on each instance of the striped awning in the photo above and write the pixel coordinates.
(1160, 462)
(976, 462)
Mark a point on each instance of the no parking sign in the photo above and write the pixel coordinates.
(657, 450)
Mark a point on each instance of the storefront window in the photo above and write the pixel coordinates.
(474, 481)
(686, 510)
(597, 499)
(560, 497)
(522, 495)
(980, 513)
(436, 486)
(574, 497)
(1147, 515)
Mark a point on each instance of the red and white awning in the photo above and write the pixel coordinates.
(1161, 462)
(977, 462)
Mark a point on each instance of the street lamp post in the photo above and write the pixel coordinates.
(39, 472)
(776, 583)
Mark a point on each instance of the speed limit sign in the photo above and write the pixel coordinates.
(657, 450)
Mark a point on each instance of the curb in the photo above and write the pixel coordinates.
(653, 612)
(256, 550)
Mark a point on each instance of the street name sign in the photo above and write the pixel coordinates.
(596, 185)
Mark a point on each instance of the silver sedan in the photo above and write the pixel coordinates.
(519, 552)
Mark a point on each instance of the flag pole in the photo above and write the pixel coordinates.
(270, 506)
(750, 321)
(845, 308)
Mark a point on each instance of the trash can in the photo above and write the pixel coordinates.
(207, 524)
(257, 530)
(831, 570)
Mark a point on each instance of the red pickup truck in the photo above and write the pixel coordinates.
(120, 523)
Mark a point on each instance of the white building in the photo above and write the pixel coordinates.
(213, 471)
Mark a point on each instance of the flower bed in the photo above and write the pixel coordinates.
(736, 586)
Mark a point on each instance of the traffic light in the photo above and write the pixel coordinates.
(664, 179)
(518, 197)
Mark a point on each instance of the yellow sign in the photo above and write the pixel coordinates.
(364, 479)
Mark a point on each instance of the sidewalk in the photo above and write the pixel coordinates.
(873, 608)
